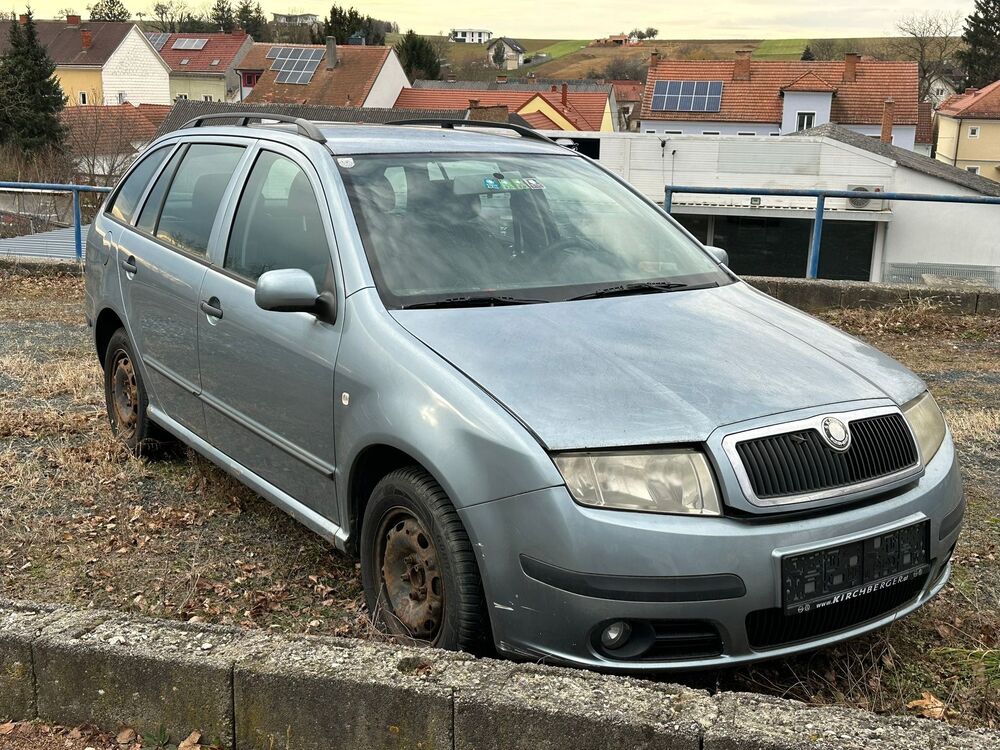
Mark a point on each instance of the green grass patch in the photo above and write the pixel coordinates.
(555, 50)
(780, 49)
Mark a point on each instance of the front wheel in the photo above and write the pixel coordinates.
(419, 572)
(125, 395)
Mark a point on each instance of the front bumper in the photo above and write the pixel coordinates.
(624, 552)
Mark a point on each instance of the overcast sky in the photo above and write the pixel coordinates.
(586, 19)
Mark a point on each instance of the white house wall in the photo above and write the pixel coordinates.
(804, 101)
(904, 136)
(389, 82)
(136, 71)
(698, 127)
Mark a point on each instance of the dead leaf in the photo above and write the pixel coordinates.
(930, 706)
(191, 742)
(7, 728)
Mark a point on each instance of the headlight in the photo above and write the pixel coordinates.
(669, 481)
(927, 423)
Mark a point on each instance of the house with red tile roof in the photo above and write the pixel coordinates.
(628, 95)
(203, 67)
(101, 62)
(103, 139)
(775, 97)
(332, 75)
(969, 131)
(543, 106)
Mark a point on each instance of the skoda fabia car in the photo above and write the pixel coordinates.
(543, 415)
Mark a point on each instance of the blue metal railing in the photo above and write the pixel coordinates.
(53, 187)
(812, 263)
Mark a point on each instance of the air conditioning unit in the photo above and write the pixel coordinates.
(866, 204)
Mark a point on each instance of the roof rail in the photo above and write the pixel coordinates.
(450, 124)
(304, 127)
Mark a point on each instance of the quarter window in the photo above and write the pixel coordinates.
(278, 223)
(123, 203)
(193, 199)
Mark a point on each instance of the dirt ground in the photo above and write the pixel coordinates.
(83, 523)
(34, 735)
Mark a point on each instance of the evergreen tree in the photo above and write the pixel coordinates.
(808, 54)
(418, 56)
(32, 98)
(342, 24)
(499, 55)
(221, 16)
(981, 55)
(250, 18)
(108, 10)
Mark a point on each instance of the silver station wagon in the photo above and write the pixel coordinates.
(543, 415)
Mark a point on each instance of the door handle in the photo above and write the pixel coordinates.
(212, 308)
(129, 266)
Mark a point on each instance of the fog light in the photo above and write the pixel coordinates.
(616, 635)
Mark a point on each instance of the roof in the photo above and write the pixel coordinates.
(585, 110)
(65, 43)
(348, 84)
(512, 43)
(185, 110)
(810, 81)
(628, 91)
(222, 49)
(518, 84)
(760, 99)
(981, 104)
(925, 123)
(905, 158)
(111, 128)
(540, 121)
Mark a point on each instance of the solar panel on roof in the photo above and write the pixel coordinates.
(295, 64)
(157, 39)
(189, 44)
(687, 96)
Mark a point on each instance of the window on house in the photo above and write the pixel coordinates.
(710, 132)
(83, 97)
(775, 132)
(649, 131)
(250, 79)
(973, 169)
(746, 132)
(207, 97)
(973, 131)
(122, 97)
(182, 96)
(938, 91)
(673, 132)
(804, 120)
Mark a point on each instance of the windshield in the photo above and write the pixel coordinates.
(450, 229)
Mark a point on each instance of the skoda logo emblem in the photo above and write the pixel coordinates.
(836, 434)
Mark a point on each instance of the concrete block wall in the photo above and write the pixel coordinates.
(250, 690)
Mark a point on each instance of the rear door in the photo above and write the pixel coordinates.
(163, 258)
(267, 377)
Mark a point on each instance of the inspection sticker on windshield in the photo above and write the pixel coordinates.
(534, 183)
(346, 162)
(491, 184)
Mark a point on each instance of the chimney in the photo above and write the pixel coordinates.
(502, 78)
(654, 58)
(565, 94)
(451, 78)
(86, 38)
(23, 19)
(851, 60)
(888, 110)
(72, 20)
(968, 92)
(331, 53)
(741, 68)
(473, 103)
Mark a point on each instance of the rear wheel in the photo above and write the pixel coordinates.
(419, 572)
(127, 402)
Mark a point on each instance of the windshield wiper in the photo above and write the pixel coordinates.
(640, 287)
(470, 301)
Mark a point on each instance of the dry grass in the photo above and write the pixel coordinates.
(82, 522)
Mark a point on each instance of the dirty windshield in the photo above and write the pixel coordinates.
(450, 229)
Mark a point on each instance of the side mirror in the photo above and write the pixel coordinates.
(288, 290)
(719, 254)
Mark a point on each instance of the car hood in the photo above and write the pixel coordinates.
(655, 368)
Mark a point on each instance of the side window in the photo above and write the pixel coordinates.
(194, 195)
(150, 211)
(123, 203)
(278, 223)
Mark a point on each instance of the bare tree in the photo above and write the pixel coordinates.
(931, 40)
(100, 141)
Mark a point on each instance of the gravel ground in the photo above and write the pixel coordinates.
(84, 523)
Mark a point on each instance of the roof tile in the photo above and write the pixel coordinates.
(983, 104)
(584, 109)
(225, 48)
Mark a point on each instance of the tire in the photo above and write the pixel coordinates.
(127, 401)
(413, 539)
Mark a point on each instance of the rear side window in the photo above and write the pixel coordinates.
(278, 223)
(194, 195)
(123, 204)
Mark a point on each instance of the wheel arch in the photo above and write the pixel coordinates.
(104, 328)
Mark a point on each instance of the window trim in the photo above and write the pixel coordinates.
(798, 119)
(973, 132)
(82, 98)
(972, 169)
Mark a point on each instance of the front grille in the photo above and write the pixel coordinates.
(771, 628)
(796, 463)
(679, 639)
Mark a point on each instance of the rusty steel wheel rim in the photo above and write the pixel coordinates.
(411, 577)
(124, 395)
